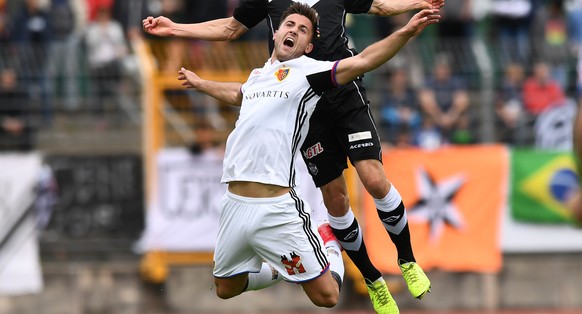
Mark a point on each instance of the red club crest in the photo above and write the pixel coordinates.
(282, 73)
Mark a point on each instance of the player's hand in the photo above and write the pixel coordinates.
(159, 26)
(425, 4)
(437, 4)
(189, 78)
(396, 7)
(421, 20)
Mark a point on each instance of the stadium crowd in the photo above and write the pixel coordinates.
(71, 56)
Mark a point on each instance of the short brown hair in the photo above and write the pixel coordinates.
(305, 10)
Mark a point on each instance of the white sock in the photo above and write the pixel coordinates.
(266, 277)
(390, 201)
(342, 222)
(334, 255)
(389, 208)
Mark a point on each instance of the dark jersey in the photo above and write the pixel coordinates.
(331, 45)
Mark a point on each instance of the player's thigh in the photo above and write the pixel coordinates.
(322, 153)
(335, 196)
(233, 253)
(357, 134)
(288, 240)
(372, 176)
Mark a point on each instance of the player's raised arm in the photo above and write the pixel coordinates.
(229, 93)
(378, 53)
(396, 7)
(215, 30)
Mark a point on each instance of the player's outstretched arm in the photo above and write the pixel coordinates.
(226, 92)
(396, 7)
(215, 30)
(378, 53)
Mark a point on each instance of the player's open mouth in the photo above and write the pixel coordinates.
(290, 42)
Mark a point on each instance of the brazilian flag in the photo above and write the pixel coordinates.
(541, 181)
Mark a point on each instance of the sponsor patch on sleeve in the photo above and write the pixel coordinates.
(366, 135)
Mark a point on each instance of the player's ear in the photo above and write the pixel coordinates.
(275, 34)
(308, 48)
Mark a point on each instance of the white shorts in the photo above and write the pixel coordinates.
(277, 230)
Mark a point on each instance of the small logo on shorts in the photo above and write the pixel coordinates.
(274, 273)
(294, 264)
(313, 151)
(312, 169)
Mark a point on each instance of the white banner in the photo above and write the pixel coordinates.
(185, 206)
(519, 237)
(184, 209)
(20, 271)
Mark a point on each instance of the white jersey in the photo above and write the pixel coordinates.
(278, 101)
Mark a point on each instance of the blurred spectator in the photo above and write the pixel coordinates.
(575, 31)
(554, 126)
(6, 50)
(31, 24)
(207, 108)
(202, 11)
(410, 55)
(174, 47)
(455, 31)
(106, 48)
(94, 6)
(463, 133)
(551, 43)
(15, 129)
(428, 136)
(404, 137)
(445, 100)
(540, 90)
(511, 23)
(130, 13)
(207, 144)
(399, 107)
(4, 25)
(67, 21)
(513, 119)
(30, 34)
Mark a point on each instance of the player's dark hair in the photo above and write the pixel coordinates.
(305, 10)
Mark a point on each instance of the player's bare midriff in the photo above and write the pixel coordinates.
(256, 189)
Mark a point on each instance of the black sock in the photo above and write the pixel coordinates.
(352, 241)
(337, 278)
(402, 239)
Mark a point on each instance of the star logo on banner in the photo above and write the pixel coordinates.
(435, 204)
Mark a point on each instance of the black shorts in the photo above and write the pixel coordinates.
(341, 127)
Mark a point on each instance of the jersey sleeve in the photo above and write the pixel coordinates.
(250, 12)
(321, 76)
(358, 6)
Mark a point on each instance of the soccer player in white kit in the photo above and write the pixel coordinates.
(262, 218)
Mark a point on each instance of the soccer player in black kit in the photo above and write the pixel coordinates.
(342, 127)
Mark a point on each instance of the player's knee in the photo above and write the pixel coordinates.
(326, 300)
(224, 292)
(335, 197)
(337, 204)
(376, 184)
